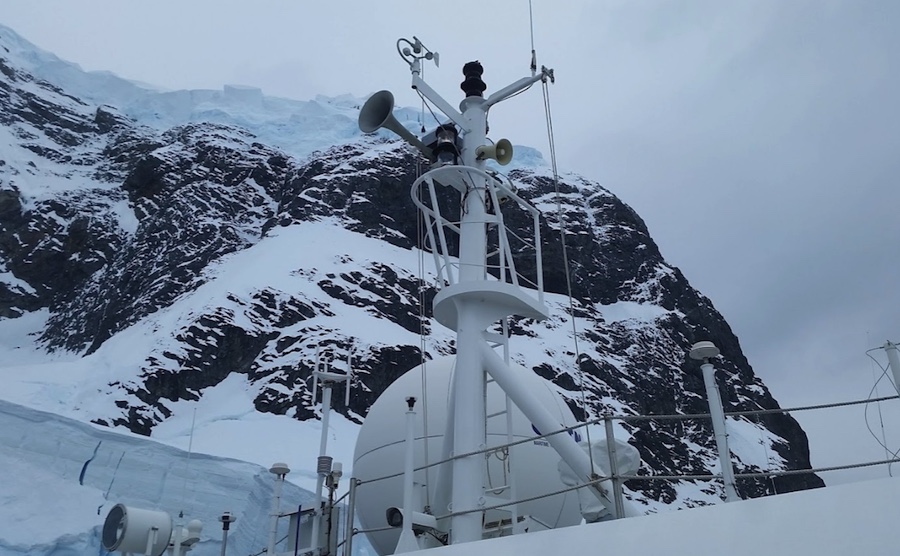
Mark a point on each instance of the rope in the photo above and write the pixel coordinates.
(884, 373)
(876, 379)
(427, 105)
(565, 254)
(818, 469)
(420, 233)
(757, 475)
(750, 413)
(806, 407)
(533, 53)
(187, 465)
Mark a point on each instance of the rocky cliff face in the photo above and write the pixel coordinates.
(108, 226)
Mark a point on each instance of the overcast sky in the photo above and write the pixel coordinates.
(758, 139)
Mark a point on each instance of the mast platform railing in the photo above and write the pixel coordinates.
(504, 245)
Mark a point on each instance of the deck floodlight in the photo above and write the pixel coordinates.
(137, 531)
(421, 522)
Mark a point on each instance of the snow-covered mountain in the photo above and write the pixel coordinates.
(169, 252)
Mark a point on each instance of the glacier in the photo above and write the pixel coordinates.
(61, 477)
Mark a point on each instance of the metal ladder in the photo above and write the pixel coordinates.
(505, 493)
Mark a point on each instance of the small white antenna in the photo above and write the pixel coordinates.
(315, 374)
(322, 373)
(187, 465)
(349, 377)
(324, 462)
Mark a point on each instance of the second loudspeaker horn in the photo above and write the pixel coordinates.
(501, 151)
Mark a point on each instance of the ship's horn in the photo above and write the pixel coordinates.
(501, 151)
(376, 113)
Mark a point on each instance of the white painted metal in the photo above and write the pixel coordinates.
(441, 488)
(279, 470)
(469, 411)
(616, 483)
(184, 538)
(351, 518)
(894, 362)
(380, 445)
(175, 545)
(470, 307)
(327, 380)
(469, 431)
(377, 113)
(704, 351)
(226, 519)
(152, 539)
(718, 421)
(408, 542)
(437, 225)
(512, 89)
(511, 461)
(420, 85)
(474, 303)
(320, 479)
(563, 443)
(224, 541)
(136, 530)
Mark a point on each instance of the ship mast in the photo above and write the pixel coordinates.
(471, 299)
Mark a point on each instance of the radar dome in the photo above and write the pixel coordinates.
(381, 443)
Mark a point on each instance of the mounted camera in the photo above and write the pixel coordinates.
(421, 522)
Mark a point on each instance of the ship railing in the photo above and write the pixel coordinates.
(616, 480)
(505, 247)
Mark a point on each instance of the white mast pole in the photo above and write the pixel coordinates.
(718, 420)
(279, 470)
(320, 479)
(407, 541)
(475, 301)
(704, 351)
(469, 410)
(894, 362)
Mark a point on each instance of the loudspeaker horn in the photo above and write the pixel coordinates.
(501, 151)
(377, 113)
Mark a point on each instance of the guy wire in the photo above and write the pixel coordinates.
(562, 234)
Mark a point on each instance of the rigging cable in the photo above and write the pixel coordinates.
(878, 405)
(187, 464)
(884, 373)
(562, 234)
(533, 52)
(421, 298)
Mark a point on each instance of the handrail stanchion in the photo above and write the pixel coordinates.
(351, 511)
(619, 503)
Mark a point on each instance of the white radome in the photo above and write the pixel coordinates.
(380, 451)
